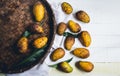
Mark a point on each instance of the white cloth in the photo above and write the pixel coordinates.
(41, 71)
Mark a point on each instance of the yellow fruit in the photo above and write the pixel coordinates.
(69, 42)
(81, 52)
(38, 11)
(67, 8)
(23, 45)
(57, 54)
(73, 26)
(85, 66)
(85, 38)
(83, 16)
(36, 28)
(40, 42)
(65, 67)
(61, 28)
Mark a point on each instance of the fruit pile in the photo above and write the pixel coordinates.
(75, 32)
(39, 13)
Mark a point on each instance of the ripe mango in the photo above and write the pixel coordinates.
(67, 8)
(38, 11)
(57, 54)
(85, 66)
(81, 52)
(85, 38)
(40, 42)
(23, 45)
(61, 28)
(73, 26)
(83, 16)
(65, 67)
(69, 42)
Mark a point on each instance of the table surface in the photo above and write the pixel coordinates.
(105, 31)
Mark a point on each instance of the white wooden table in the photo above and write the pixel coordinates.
(105, 31)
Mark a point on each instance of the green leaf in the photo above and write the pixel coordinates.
(26, 34)
(70, 34)
(37, 53)
(56, 65)
(32, 57)
(69, 60)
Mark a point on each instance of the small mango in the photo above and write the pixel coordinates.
(35, 28)
(67, 8)
(81, 52)
(85, 38)
(57, 54)
(38, 11)
(40, 42)
(69, 42)
(65, 67)
(23, 45)
(85, 66)
(73, 26)
(83, 16)
(61, 28)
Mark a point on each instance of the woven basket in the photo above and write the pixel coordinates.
(15, 17)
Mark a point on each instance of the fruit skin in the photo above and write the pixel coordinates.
(38, 11)
(69, 42)
(85, 38)
(57, 54)
(61, 28)
(81, 52)
(40, 42)
(65, 67)
(73, 26)
(85, 66)
(83, 16)
(36, 28)
(23, 45)
(67, 8)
